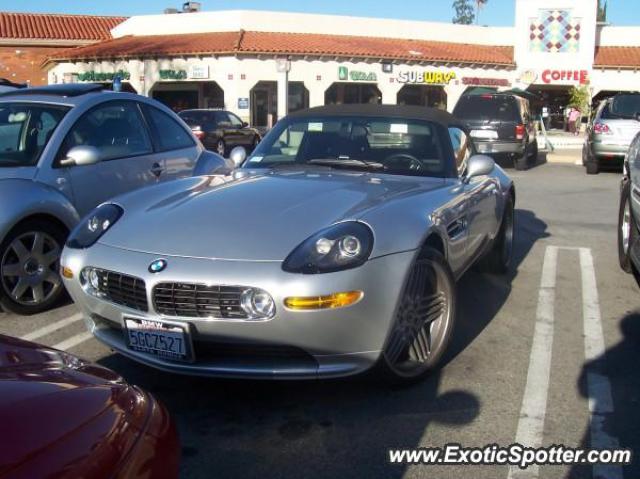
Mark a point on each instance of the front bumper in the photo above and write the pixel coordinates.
(487, 147)
(292, 344)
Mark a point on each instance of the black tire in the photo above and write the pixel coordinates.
(626, 238)
(424, 322)
(593, 166)
(221, 148)
(499, 258)
(43, 275)
(254, 142)
(521, 163)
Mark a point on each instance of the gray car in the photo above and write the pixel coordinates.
(335, 248)
(65, 149)
(610, 131)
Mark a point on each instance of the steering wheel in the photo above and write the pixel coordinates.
(403, 161)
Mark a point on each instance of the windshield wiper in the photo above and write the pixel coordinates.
(347, 163)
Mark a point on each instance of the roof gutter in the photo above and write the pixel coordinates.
(239, 52)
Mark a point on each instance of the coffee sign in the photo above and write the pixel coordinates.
(430, 77)
(571, 76)
(354, 75)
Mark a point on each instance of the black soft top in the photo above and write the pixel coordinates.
(407, 112)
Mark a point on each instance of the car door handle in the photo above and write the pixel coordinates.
(457, 228)
(156, 169)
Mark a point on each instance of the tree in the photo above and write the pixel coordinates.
(602, 10)
(580, 99)
(465, 14)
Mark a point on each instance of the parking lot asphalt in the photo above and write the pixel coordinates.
(533, 352)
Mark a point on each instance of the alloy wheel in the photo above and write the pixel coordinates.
(29, 268)
(422, 323)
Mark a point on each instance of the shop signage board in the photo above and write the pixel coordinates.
(243, 103)
(198, 72)
(479, 81)
(344, 74)
(173, 74)
(429, 77)
(528, 77)
(565, 76)
(103, 76)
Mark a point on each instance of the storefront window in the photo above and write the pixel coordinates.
(298, 97)
(352, 93)
(423, 95)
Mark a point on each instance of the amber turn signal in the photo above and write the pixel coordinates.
(66, 272)
(335, 300)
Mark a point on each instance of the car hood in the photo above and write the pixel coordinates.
(56, 408)
(254, 216)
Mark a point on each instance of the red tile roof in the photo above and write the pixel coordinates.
(617, 57)
(293, 44)
(56, 27)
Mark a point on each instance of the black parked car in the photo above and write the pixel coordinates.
(220, 130)
(501, 124)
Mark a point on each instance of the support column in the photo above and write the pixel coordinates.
(389, 92)
(283, 93)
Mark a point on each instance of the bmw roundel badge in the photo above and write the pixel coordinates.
(157, 266)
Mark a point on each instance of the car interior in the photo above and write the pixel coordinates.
(407, 147)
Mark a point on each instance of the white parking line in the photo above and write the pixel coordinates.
(51, 328)
(73, 341)
(598, 385)
(534, 403)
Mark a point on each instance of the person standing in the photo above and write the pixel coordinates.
(545, 117)
(574, 115)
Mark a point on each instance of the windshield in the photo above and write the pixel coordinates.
(623, 107)
(487, 107)
(25, 130)
(389, 145)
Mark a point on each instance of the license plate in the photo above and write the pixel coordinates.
(486, 134)
(484, 148)
(167, 341)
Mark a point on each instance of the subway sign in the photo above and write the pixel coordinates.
(429, 77)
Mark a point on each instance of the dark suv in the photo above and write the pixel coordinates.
(220, 130)
(501, 125)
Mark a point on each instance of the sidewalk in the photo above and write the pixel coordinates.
(561, 140)
(571, 156)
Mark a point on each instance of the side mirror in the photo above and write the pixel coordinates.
(210, 163)
(238, 155)
(82, 155)
(479, 165)
(245, 124)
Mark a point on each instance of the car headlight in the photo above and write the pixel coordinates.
(342, 246)
(94, 226)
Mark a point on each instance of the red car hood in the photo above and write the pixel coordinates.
(57, 411)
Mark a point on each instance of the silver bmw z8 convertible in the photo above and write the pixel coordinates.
(332, 250)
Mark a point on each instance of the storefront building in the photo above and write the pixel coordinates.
(28, 39)
(262, 65)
